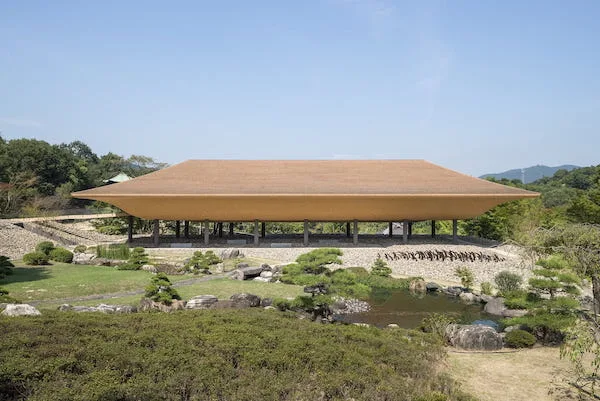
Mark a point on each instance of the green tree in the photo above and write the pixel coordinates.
(380, 268)
(160, 290)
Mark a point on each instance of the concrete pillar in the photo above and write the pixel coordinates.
(391, 229)
(155, 232)
(455, 230)
(129, 229)
(220, 229)
(256, 232)
(206, 232)
(186, 229)
(348, 229)
(355, 239)
(263, 229)
(231, 229)
(177, 228)
(305, 232)
(405, 231)
(432, 228)
(410, 223)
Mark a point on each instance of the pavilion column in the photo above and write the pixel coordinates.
(305, 232)
(221, 229)
(263, 229)
(405, 231)
(155, 232)
(454, 230)
(186, 229)
(206, 232)
(432, 228)
(410, 223)
(391, 229)
(355, 239)
(177, 228)
(129, 229)
(348, 229)
(231, 229)
(256, 232)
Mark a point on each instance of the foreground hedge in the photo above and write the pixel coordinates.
(213, 355)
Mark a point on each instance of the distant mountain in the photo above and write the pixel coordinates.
(530, 174)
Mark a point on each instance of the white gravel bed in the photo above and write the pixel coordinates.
(16, 241)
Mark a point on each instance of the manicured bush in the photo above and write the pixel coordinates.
(315, 262)
(466, 276)
(507, 281)
(200, 263)
(137, 259)
(160, 290)
(5, 267)
(35, 258)
(113, 251)
(547, 327)
(486, 288)
(241, 355)
(45, 247)
(519, 339)
(380, 268)
(80, 249)
(61, 255)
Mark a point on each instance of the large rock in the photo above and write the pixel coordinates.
(266, 274)
(467, 297)
(455, 291)
(148, 304)
(417, 285)
(485, 298)
(244, 300)
(150, 268)
(495, 306)
(245, 273)
(433, 287)
(20, 310)
(201, 302)
(473, 337)
(83, 258)
(231, 253)
(103, 308)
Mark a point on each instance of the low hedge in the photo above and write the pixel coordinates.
(35, 258)
(61, 255)
(519, 339)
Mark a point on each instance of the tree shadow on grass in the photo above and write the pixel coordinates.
(25, 274)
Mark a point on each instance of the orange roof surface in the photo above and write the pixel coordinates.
(221, 189)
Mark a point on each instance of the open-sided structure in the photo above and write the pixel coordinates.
(305, 190)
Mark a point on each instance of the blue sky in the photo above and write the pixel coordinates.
(477, 86)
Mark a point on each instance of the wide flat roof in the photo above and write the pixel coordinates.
(305, 177)
(295, 190)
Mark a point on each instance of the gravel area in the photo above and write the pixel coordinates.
(16, 241)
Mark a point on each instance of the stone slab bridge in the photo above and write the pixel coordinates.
(260, 191)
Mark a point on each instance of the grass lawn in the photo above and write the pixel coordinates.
(60, 280)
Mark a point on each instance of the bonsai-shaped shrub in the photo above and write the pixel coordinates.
(554, 278)
(315, 262)
(466, 276)
(80, 249)
(35, 258)
(137, 259)
(486, 288)
(44, 247)
(160, 290)
(200, 263)
(61, 255)
(380, 268)
(507, 281)
(519, 339)
(5, 267)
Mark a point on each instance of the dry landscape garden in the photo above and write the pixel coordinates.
(505, 310)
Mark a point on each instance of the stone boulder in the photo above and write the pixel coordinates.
(417, 285)
(454, 291)
(495, 306)
(266, 274)
(83, 258)
(317, 289)
(467, 297)
(148, 304)
(473, 337)
(149, 268)
(266, 302)
(485, 298)
(245, 273)
(20, 310)
(103, 308)
(231, 253)
(201, 302)
(245, 300)
(433, 287)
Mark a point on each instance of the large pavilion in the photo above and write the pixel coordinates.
(262, 191)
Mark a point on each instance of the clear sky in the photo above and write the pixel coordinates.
(477, 86)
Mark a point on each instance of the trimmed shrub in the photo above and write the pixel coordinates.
(160, 290)
(519, 339)
(35, 258)
(380, 268)
(45, 247)
(80, 249)
(315, 262)
(200, 263)
(486, 288)
(61, 255)
(466, 276)
(507, 281)
(137, 259)
(5, 267)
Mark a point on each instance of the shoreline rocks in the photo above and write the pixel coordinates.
(474, 337)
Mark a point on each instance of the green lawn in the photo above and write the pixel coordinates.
(62, 280)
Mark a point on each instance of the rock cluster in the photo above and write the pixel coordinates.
(343, 306)
(103, 308)
(20, 310)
